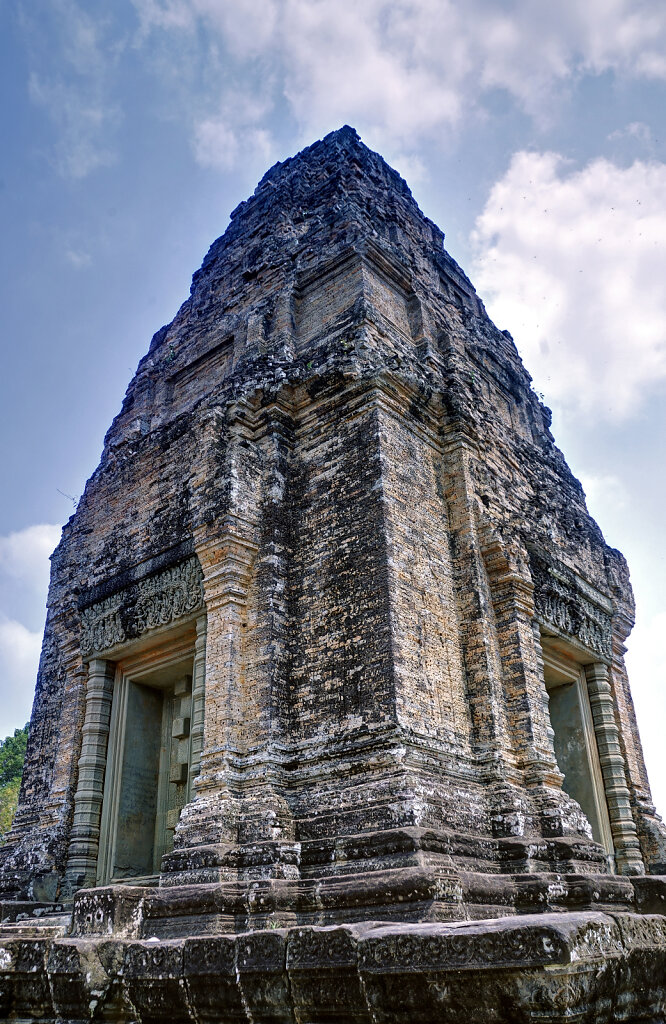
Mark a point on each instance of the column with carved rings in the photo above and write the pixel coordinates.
(198, 700)
(84, 841)
(625, 838)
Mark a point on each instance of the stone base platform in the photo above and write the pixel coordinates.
(413, 895)
(587, 967)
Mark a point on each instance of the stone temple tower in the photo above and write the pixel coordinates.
(332, 720)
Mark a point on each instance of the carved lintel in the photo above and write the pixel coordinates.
(572, 607)
(144, 606)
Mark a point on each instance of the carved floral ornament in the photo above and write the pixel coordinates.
(560, 603)
(507, 947)
(153, 602)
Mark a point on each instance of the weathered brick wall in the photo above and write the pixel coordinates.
(338, 589)
(424, 612)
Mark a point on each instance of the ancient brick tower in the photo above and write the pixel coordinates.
(332, 640)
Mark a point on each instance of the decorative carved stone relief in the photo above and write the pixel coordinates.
(155, 601)
(572, 607)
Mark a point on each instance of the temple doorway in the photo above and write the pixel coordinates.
(147, 776)
(575, 741)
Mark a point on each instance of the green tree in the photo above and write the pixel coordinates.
(8, 802)
(12, 756)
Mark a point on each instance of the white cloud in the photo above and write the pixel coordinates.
(24, 554)
(24, 571)
(367, 63)
(82, 123)
(234, 133)
(603, 491)
(417, 64)
(646, 662)
(248, 25)
(219, 145)
(19, 659)
(634, 130)
(178, 15)
(73, 56)
(400, 70)
(215, 143)
(533, 48)
(78, 258)
(573, 263)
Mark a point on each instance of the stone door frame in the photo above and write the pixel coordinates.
(572, 671)
(133, 669)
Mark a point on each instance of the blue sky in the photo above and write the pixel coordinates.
(533, 134)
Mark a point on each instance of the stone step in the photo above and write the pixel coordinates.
(47, 926)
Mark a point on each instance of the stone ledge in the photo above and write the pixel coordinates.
(591, 967)
(412, 894)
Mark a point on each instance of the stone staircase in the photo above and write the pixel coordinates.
(34, 922)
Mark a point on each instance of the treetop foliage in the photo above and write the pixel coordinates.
(12, 756)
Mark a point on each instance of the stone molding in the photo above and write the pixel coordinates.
(198, 700)
(512, 595)
(84, 840)
(227, 559)
(627, 846)
(144, 606)
(367, 253)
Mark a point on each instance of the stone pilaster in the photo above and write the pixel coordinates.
(198, 701)
(513, 604)
(625, 838)
(512, 593)
(227, 559)
(84, 841)
(543, 692)
(232, 787)
(650, 827)
(481, 656)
